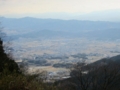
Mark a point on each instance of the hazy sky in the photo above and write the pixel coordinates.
(8, 7)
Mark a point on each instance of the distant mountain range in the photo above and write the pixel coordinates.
(107, 15)
(35, 27)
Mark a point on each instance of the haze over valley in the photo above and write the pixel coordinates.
(55, 45)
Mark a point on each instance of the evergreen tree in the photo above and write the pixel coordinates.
(6, 62)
